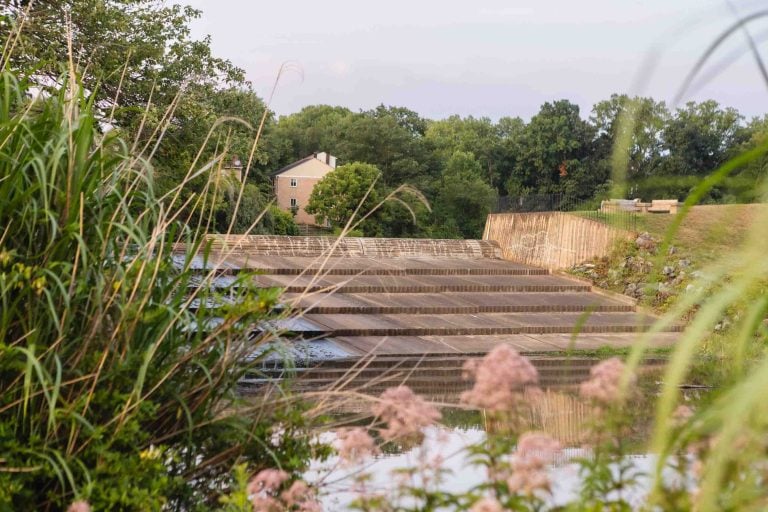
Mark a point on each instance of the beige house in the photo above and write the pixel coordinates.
(294, 183)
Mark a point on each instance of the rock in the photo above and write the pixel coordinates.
(645, 241)
(630, 289)
(672, 250)
(723, 324)
(684, 263)
(668, 271)
(689, 288)
(588, 265)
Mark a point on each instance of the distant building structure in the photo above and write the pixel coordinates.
(233, 169)
(293, 183)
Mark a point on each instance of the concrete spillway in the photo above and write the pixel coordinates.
(419, 308)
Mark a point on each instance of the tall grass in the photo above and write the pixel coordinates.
(112, 388)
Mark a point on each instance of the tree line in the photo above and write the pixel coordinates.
(184, 108)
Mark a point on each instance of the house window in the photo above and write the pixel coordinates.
(293, 182)
(293, 202)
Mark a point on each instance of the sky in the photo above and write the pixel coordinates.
(489, 58)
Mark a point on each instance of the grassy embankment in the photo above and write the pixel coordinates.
(704, 240)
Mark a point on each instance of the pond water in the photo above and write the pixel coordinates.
(448, 446)
(559, 413)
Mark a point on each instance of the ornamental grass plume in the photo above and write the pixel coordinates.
(354, 445)
(500, 377)
(486, 505)
(604, 383)
(404, 412)
(534, 451)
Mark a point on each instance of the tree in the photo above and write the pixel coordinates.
(156, 86)
(636, 123)
(313, 128)
(202, 108)
(279, 222)
(386, 138)
(124, 50)
(700, 136)
(555, 147)
(339, 193)
(476, 135)
(464, 199)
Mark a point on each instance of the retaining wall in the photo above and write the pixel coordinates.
(553, 240)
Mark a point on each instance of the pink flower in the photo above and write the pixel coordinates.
(267, 481)
(355, 444)
(527, 481)
(534, 451)
(301, 496)
(500, 377)
(266, 504)
(486, 505)
(404, 412)
(79, 506)
(537, 447)
(604, 384)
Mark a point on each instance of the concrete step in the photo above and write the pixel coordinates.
(447, 372)
(339, 325)
(224, 264)
(421, 284)
(406, 363)
(454, 303)
(434, 271)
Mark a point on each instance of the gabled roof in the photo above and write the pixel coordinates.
(291, 166)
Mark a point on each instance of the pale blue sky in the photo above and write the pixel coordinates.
(484, 57)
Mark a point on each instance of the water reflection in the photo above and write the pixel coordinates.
(556, 410)
(449, 445)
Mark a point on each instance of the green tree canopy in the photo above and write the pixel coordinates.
(636, 125)
(699, 137)
(554, 147)
(464, 198)
(339, 193)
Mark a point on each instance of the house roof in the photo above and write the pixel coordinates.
(306, 167)
(291, 166)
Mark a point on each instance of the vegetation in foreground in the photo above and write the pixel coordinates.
(113, 388)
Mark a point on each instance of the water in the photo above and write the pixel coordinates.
(461, 475)
(558, 412)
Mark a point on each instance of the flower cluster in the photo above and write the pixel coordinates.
(301, 497)
(604, 384)
(354, 444)
(534, 451)
(79, 506)
(500, 377)
(486, 505)
(263, 493)
(404, 412)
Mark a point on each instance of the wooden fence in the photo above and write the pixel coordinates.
(553, 240)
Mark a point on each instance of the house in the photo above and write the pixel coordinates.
(293, 183)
